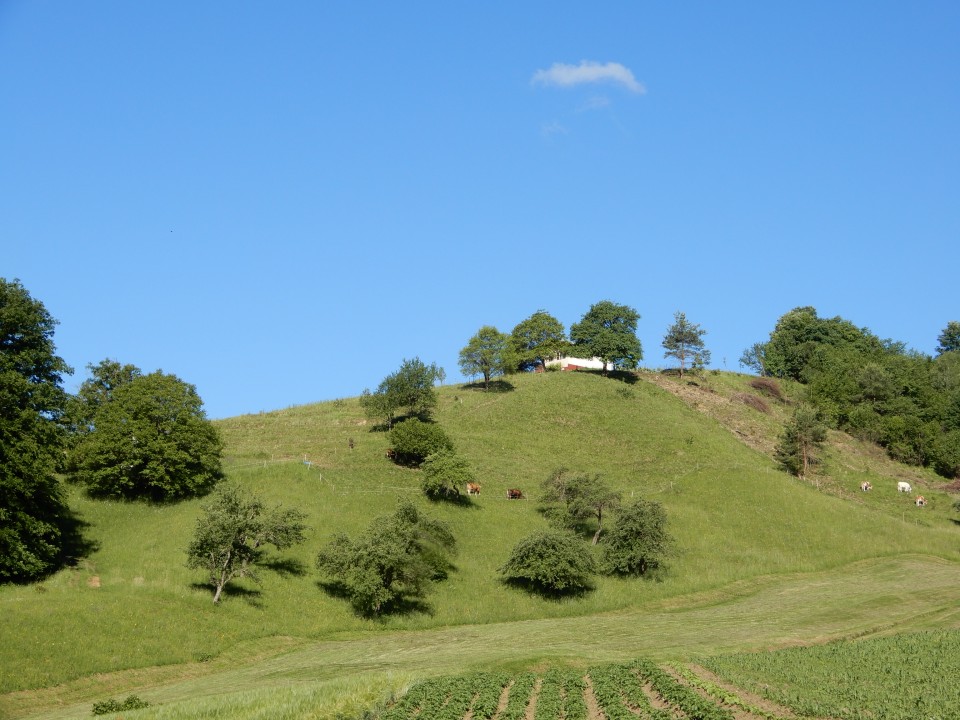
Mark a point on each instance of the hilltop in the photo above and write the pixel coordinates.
(751, 541)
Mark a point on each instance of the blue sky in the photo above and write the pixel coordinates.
(279, 202)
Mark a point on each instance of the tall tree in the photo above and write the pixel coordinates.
(32, 402)
(487, 354)
(151, 440)
(233, 531)
(754, 358)
(537, 340)
(411, 388)
(105, 377)
(684, 341)
(609, 331)
(801, 441)
(949, 339)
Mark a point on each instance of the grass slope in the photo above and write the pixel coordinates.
(751, 542)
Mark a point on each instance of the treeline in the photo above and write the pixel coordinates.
(877, 390)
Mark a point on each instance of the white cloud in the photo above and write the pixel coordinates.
(587, 71)
(553, 129)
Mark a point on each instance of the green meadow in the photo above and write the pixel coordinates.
(762, 561)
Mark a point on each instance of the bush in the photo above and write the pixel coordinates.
(754, 401)
(550, 561)
(105, 707)
(768, 387)
(414, 440)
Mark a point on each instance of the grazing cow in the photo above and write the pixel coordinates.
(473, 488)
(514, 494)
(904, 487)
(391, 454)
(866, 486)
(350, 443)
(921, 501)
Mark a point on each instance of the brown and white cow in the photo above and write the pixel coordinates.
(921, 501)
(865, 486)
(514, 494)
(473, 488)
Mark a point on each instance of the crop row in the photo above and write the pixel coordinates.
(557, 694)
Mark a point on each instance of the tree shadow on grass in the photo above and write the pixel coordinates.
(548, 594)
(75, 545)
(251, 597)
(496, 386)
(285, 567)
(400, 606)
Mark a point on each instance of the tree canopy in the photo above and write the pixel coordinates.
(571, 500)
(32, 402)
(684, 342)
(392, 564)
(609, 331)
(151, 440)
(638, 542)
(551, 562)
(414, 441)
(231, 535)
(800, 441)
(487, 354)
(949, 339)
(411, 388)
(444, 473)
(537, 340)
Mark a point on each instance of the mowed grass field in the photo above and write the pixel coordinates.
(763, 560)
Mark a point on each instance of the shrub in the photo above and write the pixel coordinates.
(638, 542)
(132, 702)
(414, 440)
(754, 401)
(769, 387)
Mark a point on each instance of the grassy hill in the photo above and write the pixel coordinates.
(763, 560)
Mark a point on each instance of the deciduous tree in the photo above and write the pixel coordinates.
(487, 353)
(444, 473)
(571, 500)
(638, 542)
(550, 561)
(32, 403)
(949, 339)
(392, 564)
(231, 535)
(152, 441)
(684, 342)
(411, 388)
(609, 331)
(414, 440)
(537, 340)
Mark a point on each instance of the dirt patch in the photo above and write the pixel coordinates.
(532, 705)
(504, 698)
(93, 581)
(593, 707)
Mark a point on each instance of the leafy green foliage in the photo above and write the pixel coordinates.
(609, 331)
(444, 473)
(638, 542)
(754, 358)
(392, 564)
(550, 561)
(684, 342)
(949, 339)
(414, 440)
(32, 401)
(231, 535)
(538, 339)
(570, 500)
(131, 702)
(151, 440)
(411, 388)
(800, 441)
(105, 377)
(487, 354)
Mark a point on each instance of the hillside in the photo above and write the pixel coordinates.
(751, 543)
